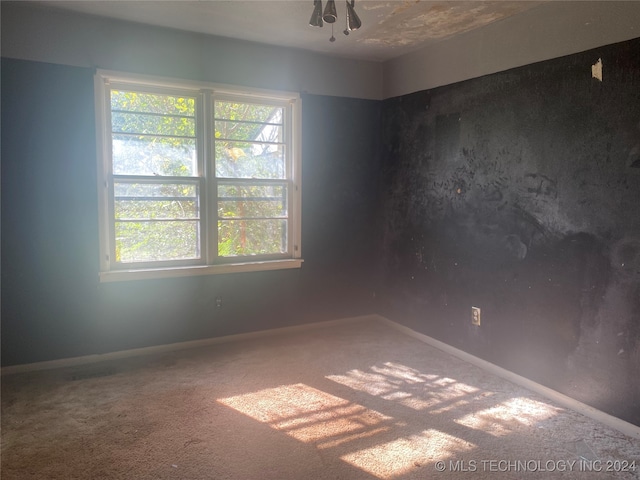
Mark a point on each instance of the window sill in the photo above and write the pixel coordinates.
(147, 274)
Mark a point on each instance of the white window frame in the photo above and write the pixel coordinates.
(206, 94)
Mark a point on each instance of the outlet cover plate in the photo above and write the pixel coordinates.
(475, 316)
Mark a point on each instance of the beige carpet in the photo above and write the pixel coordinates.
(359, 400)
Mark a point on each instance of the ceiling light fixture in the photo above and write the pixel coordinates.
(330, 15)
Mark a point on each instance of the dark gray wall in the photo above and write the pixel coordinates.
(52, 303)
(518, 193)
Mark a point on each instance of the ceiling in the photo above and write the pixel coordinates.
(389, 28)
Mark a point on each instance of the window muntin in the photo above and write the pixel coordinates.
(183, 187)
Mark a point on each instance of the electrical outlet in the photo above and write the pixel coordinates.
(475, 316)
(218, 302)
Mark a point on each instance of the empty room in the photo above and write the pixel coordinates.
(320, 240)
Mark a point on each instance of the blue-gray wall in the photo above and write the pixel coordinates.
(52, 303)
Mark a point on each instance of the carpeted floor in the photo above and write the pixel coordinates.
(358, 400)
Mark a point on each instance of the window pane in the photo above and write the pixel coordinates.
(153, 124)
(153, 134)
(251, 237)
(153, 103)
(252, 201)
(152, 155)
(147, 209)
(148, 221)
(249, 160)
(247, 112)
(155, 189)
(157, 241)
(258, 132)
(149, 201)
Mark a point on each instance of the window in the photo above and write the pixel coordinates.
(196, 178)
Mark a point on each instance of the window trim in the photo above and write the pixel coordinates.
(206, 93)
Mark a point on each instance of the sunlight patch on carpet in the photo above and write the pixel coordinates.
(509, 416)
(402, 455)
(308, 414)
(408, 386)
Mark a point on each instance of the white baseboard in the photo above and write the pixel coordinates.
(559, 398)
(171, 347)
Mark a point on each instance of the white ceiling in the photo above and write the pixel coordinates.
(389, 28)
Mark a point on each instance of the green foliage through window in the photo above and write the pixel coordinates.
(158, 179)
